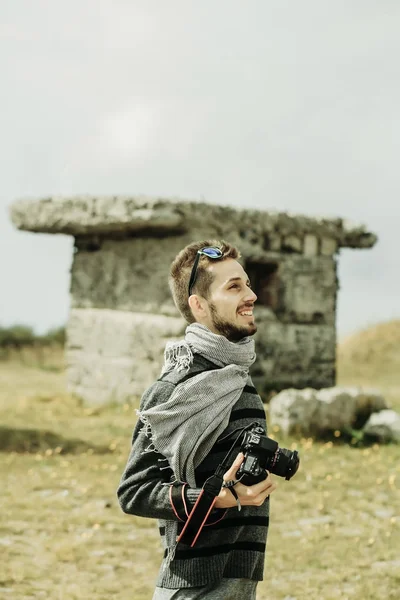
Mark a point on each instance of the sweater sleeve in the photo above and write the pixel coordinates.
(145, 489)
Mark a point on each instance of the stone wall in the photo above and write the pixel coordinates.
(131, 274)
(119, 292)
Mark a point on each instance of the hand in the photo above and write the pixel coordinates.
(249, 495)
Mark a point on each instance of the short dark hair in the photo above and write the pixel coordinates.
(181, 268)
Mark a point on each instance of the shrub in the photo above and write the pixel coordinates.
(20, 336)
(53, 336)
(16, 336)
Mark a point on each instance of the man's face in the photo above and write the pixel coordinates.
(231, 301)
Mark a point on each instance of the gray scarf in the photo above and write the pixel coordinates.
(185, 428)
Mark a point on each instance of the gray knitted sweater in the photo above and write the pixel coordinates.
(232, 544)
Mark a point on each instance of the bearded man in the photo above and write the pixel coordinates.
(204, 394)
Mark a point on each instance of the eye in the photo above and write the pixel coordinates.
(234, 285)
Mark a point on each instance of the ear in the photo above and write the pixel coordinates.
(198, 306)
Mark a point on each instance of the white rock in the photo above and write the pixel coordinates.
(291, 409)
(336, 408)
(317, 411)
(384, 425)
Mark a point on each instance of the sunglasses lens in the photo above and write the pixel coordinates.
(212, 252)
(209, 251)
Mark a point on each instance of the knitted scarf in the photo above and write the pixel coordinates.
(185, 428)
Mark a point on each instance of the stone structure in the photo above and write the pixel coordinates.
(121, 310)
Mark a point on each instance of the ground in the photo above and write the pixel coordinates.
(335, 527)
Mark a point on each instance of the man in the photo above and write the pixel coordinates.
(203, 394)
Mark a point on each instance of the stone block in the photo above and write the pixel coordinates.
(293, 355)
(115, 355)
(275, 242)
(129, 275)
(310, 288)
(328, 246)
(292, 243)
(311, 243)
(105, 214)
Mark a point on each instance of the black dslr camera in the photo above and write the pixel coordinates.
(261, 453)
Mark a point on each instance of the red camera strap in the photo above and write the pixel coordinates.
(206, 500)
(201, 511)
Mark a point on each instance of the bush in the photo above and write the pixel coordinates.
(53, 336)
(16, 336)
(20, 336)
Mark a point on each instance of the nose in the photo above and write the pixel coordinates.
(250, 296)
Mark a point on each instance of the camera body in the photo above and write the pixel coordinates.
(262, 454)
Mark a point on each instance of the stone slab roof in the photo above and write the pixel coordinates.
(118, 215)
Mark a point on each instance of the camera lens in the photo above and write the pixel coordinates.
(285, 463)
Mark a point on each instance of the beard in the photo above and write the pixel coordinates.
(231, 331)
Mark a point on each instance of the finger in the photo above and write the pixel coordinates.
(249, 498)
(270, 489)
(259, 487)
(269, 480)
(266, 494)
(231, 472)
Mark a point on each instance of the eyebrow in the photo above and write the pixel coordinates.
(236, 279)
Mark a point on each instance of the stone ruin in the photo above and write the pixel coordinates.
(122, 312)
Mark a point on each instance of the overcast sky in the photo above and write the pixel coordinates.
(270, 104)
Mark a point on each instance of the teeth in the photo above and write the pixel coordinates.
(247, 314)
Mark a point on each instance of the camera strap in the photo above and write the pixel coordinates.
(208, 496)
(201, 510)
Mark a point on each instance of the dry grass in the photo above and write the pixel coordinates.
(335, 528)
(372, 358)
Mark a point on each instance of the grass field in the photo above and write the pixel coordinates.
(335, 528)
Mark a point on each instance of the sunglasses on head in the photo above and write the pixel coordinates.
(209, 251)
